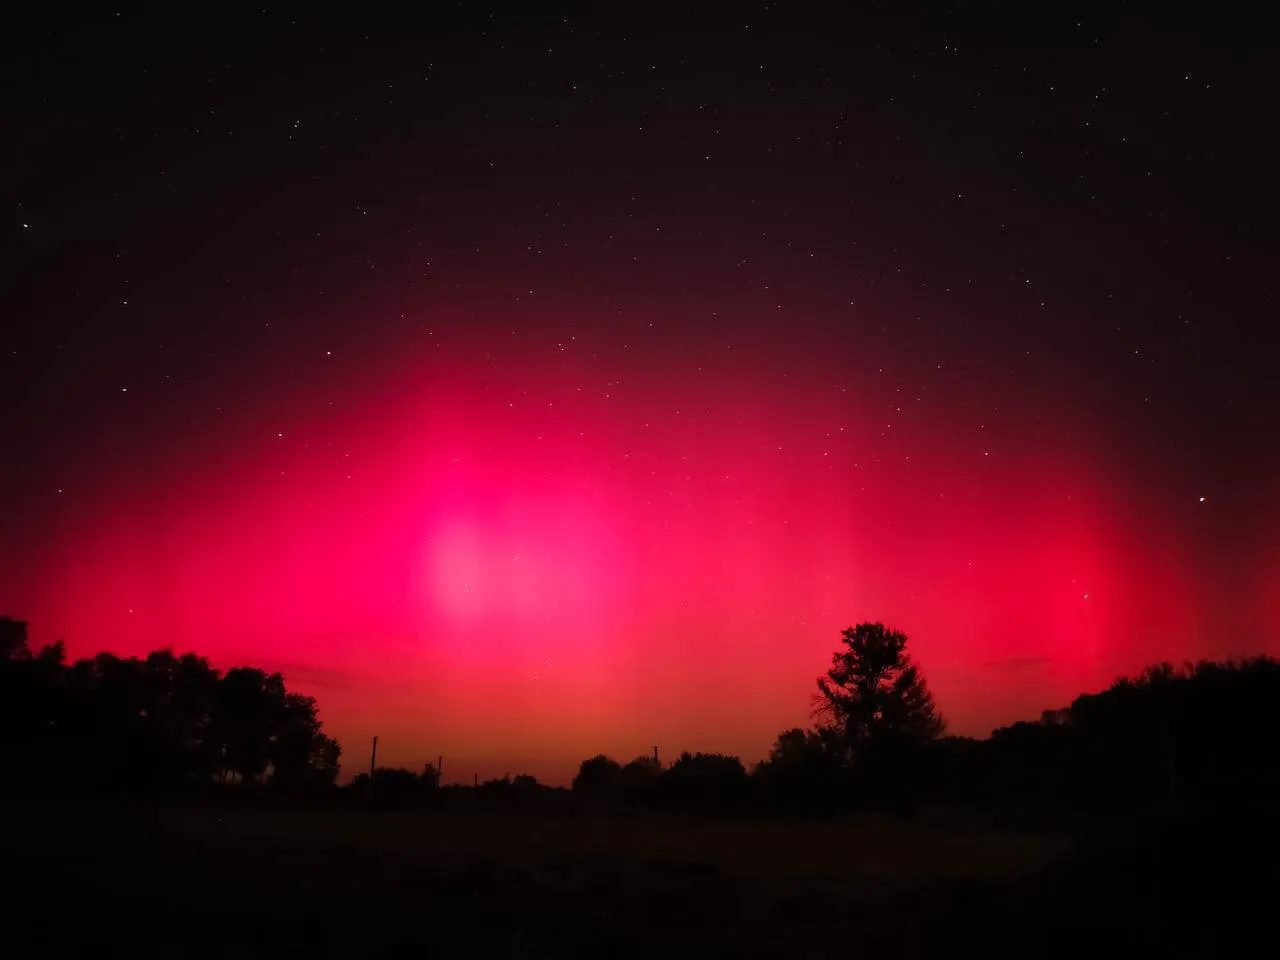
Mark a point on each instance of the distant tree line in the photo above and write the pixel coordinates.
(1200, 734)
(165, 721)
(398, 788)
(1173, 736)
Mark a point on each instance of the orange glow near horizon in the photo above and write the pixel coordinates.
(489, 550)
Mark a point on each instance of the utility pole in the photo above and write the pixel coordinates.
(373, 760)
(440, 770)
(655, 756)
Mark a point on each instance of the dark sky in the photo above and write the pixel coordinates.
(604, 367)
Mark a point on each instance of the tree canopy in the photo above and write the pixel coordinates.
(164, 719)
(874, 693)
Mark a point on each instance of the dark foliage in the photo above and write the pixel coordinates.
(599, 779)
(805, 772)
(166, 721)
(395, 788)
(1171, 775)
(705, 783)
(874, 694)
(638, 782)
(1171, 739)
(695, 783)
(876, 719)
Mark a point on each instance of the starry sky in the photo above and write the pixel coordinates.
(526, 387)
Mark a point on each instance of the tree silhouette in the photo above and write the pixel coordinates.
(638, 781)
(247, 706)
(300, 751)
(178, 694)
(874, 695)
(705, 783)
(805, 770)
(597, 777)
(801, 749)
(1171, 738)
(430, 778)
(13, 640)
(598, 781)
(33, 702)
(1201, 728)
(525, 783)
(165, 720)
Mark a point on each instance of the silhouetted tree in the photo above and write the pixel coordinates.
(33, 704)
(13, 640)
(161, 721)
(430, 778)
(1170, 738)
(705, 783)
(521, 792)
(638, 781)
(805, 749)
(247, 706)
(874, 693)
(300, 751)
(1188, 733)
(805, 771)
(598, 778)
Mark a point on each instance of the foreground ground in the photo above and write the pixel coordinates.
(249, 883)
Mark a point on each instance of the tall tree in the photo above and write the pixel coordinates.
(300, 752)
(13, 639)
(247, 708)
(874, 694)
(165, 720)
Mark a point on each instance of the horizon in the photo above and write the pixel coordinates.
(544, 387)
(564, 768)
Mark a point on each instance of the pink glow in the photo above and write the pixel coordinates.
(519, 555)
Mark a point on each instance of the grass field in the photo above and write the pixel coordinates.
(249, 883)
(860, 856)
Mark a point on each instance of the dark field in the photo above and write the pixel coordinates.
(258, 882)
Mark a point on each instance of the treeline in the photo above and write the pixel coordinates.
(1195, 734)
(1169, 738)
(695, 783)
(1172, 738)
(397, 788)
(163, 722)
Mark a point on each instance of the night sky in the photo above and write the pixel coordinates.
(530, 387)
